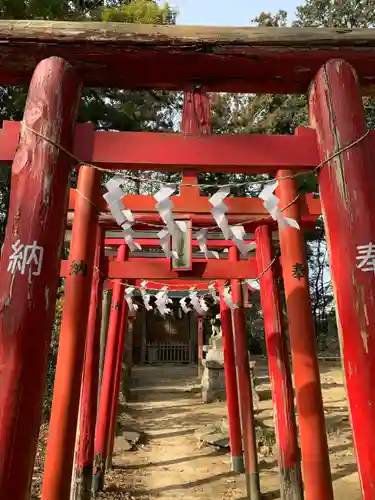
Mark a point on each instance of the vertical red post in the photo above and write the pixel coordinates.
(105, 402)
(244, 388)
(67, 388)
(200, 344)
(89, 391)
(234, 423)
(196, 120)
(30, 266)
(117, 378)
(347, 194)
(106, 309)
(196, 113)
(313, 438)
(279, 370)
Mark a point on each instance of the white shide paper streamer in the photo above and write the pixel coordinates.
(213, 292)
(129, 291)
(186, 309)
(271, 204)
(145, 296)
(198, 303)
(219, 211)
(195, 301)
(165, 243)
(202, 242)
(238, 233)
(234, 233)
(164, 206)
(162, 301)
(228, 298)
(121, 214)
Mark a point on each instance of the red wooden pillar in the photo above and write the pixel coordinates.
(30, 266)
(106, 309)
(89, 392)
(196, 113)
(234, 422)
(347, 194)
(244, 388)
(117, 379)
(279, 370)
(200, 344)
(67, 388)
(313, 439)
(105, 402)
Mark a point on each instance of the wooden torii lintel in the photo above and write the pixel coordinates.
(160, 269)
(171, 151)
(268, 60)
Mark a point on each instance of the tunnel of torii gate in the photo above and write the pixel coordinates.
(335, 68)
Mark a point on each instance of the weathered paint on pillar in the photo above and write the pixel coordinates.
(106, 309)
(105, 404)
(196, 113)
(347, 187)
(117, 378)
(234, 423)
(279, 370)
(36, 223)
(244, 388)
(89, 392)
(313, 439)
(67, 388)
(200, 342)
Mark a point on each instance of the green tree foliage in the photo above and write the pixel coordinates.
(122, 110)
(107, 108)
(336, 14)
(141, 11)
(281, 114)
(40, 9)
(340, 14)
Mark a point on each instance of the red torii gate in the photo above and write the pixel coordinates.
(120, 271)
(159, 275)
(278, 61)
(158, 268)
(280, 375)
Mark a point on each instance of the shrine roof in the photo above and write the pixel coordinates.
(281, 60)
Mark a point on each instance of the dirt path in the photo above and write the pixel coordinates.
(171, 464)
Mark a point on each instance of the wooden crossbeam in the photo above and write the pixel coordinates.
(246, 153)
(275, 60)
(159, 269)
(241, 153)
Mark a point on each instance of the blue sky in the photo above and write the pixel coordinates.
(227, 13)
